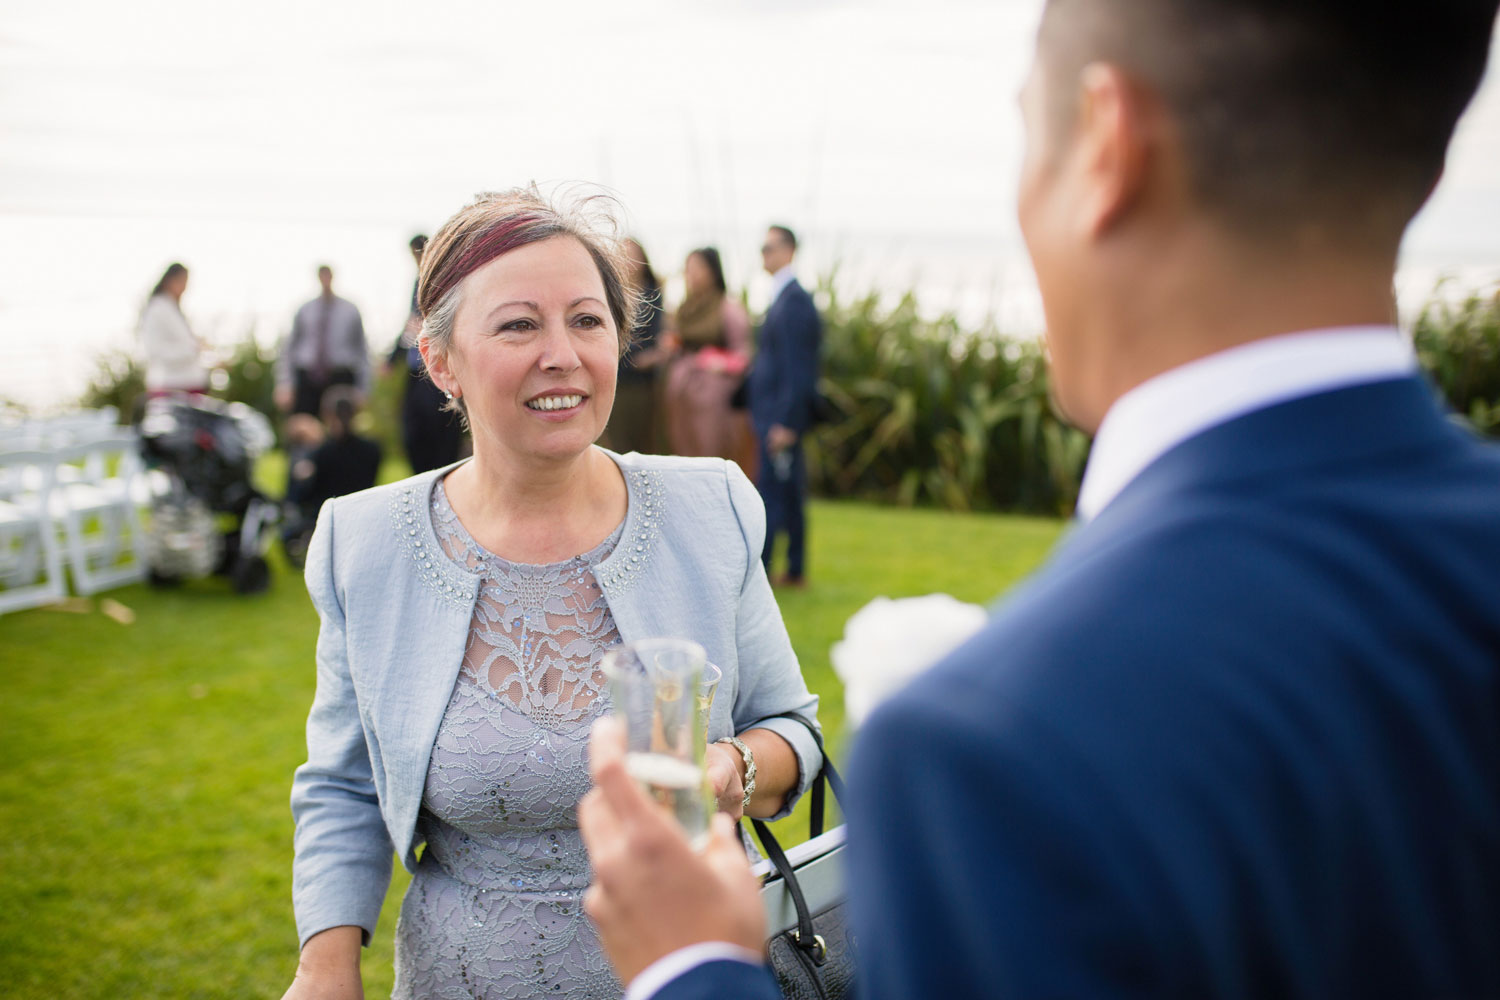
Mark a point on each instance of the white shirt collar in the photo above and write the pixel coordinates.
(780, 280)
(1162, 412)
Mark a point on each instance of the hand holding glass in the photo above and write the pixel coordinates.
(655, 687)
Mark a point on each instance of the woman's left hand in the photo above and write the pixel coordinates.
(722, 765)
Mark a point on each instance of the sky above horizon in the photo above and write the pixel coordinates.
(255, 141)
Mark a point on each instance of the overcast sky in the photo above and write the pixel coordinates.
(253, 141)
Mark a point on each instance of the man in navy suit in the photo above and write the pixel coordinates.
(1241, 736)
(783, 386)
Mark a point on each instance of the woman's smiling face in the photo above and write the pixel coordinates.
(534, 352)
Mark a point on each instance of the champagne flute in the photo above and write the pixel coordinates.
(707, 685)
(654, 685)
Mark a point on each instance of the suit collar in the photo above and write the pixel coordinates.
(781, 281)
(1293, 439)
(1164, 411)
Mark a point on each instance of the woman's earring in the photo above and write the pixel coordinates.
(448, 394)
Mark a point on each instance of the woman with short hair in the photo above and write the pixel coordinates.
(464, 612)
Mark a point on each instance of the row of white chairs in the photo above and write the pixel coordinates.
(71, 492)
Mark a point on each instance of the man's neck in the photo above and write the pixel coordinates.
(782, 277)
(1181, 309)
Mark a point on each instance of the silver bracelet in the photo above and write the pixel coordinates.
(749, 756)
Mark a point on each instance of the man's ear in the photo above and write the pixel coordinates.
(1116, 140)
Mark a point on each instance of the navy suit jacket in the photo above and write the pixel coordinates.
(1240, 738)
(784, 379)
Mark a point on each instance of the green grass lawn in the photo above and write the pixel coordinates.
(147, 846)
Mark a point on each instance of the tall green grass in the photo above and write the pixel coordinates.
(930, 413)
(1458, 344)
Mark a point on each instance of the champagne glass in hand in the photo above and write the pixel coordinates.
(654, 685)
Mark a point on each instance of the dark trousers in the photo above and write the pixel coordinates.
(432, 438)
(783, 489)
(308, 389)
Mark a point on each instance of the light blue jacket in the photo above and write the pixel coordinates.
(395, 616)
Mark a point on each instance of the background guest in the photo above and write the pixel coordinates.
(172, 352)
(431, 435)
(346, 461)
(325, 459)
(711, 333)
(783, 387)
(325, 348)
(635, 424)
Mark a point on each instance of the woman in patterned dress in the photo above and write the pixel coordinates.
(464, 612)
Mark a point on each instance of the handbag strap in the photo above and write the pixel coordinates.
(805, 936)
(828, 777)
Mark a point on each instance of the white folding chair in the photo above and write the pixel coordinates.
(97, 508)
(30, 559)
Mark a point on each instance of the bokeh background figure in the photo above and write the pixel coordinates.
(172, 353)
(326, 348)
(783, 388)
(431, 435)
(711, 336)
(635, 424)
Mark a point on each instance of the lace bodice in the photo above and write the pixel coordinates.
(494, 909)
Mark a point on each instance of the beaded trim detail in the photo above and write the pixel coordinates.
(620, 571)
(409, 520)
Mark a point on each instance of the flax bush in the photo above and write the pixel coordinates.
(929, 413)
(1458, 343)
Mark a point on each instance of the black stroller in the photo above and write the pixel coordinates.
(206, 514)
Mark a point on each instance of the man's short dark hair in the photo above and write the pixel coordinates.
(1292, 113)
(787, 235)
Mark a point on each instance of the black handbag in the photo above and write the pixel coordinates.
(811, 948)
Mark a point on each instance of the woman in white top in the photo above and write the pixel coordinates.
(171, 350)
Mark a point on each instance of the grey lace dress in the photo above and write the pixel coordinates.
(494, 909)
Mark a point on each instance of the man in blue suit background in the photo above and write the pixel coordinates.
(1241, 736)
(783, 386)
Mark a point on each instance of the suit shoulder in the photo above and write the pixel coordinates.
(801, 297)
(1099, 609)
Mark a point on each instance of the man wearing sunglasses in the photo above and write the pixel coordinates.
(783, 387)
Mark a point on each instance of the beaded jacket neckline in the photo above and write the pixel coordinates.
(411, 521)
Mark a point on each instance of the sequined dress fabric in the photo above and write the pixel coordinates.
(494, 909)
